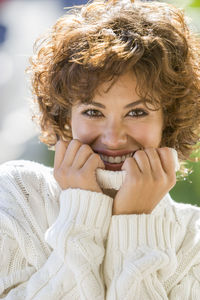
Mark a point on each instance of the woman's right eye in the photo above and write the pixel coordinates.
(92, 113)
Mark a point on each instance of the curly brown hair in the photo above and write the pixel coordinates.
(100, 41)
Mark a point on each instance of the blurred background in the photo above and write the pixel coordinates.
(21, 22)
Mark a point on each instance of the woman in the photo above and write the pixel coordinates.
(117, 84)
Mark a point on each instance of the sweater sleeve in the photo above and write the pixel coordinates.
(73, 269)
(140, 257)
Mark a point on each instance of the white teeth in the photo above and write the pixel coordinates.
(116, 159)
(111, 159)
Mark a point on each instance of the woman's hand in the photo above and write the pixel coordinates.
(75, 166)
(150, 175)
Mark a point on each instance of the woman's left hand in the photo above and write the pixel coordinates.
(150, 175)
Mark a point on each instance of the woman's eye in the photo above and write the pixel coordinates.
(138, 112)
(92, 113)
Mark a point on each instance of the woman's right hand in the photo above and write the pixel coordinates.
(75, 166)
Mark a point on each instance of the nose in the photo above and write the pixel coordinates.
(114, 136)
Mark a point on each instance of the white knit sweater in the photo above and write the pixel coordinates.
(67, 245)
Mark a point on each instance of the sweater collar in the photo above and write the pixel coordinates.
(114, 180)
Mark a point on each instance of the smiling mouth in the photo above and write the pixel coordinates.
(115, 159)
(114, 163)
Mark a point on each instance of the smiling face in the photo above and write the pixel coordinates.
(117, 123)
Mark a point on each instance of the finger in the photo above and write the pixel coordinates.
(93, 162)
(82, 156)
(71, 152)
(155, 162)
(131, 167)
(60, 149)
(167, 159)
(142, 161)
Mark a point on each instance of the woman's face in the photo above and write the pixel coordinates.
(117, 123)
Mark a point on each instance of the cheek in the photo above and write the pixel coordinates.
(148, 135)
(84, 131)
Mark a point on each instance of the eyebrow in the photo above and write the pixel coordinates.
(132, 104)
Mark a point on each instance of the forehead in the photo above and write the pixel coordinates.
(121, 90)
(124, 84)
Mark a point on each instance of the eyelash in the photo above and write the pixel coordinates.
(139, 113)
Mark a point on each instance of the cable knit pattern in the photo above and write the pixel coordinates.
(60, 260)
(67, 245)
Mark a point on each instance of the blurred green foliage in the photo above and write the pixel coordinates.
(187, 190)
(195, 3)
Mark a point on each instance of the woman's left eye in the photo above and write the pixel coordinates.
(138, 113)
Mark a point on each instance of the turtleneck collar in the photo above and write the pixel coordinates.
(114, 180)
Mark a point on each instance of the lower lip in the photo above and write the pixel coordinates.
(113, 167)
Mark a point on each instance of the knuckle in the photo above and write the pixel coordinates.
(163, 178)
(75, 142)
(149, 180)
(81, 176)
(160, 178)
(61, 173)
(85, 148)
(150, 150)
(139, 153)
(139, 181)
(165, 150)
(95, 156)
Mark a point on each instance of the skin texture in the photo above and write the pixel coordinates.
(151, 170)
